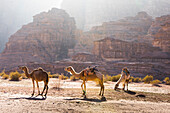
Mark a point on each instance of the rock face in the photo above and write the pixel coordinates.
(46, 39)
(127, 29)
(160, 33)
(140, 58)
(114, 49)
(95, 12)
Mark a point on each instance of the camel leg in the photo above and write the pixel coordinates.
(124, 86)
(46, 90)
(127, 82)
(103, 89)
(83, 89)
(33, 87)
(38, 88)
(118, 82)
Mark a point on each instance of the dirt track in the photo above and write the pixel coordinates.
(15, 97)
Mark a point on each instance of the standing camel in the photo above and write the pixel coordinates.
(88, 75)
(125, 76)
(37, 75)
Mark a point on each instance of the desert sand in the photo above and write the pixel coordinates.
(15, 97)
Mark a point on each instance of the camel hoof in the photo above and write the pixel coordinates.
(32, 95)
(84, 96)
(103, 98)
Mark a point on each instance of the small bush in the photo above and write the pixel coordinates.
(115, 78)
(156, 82)
(73, 78)
(137, 79)
(5, 76)
(107, 78)
(62, 77)
(167, 81)
(2, 73)
(147, 79)
(131, 79)
(15, 76)
(53, 76)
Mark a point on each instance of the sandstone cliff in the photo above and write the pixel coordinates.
(46, 39)
(160, 33)
(127, 29)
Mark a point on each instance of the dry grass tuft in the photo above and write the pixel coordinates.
(107, 78)
(156, 82)
(116, 78)
(5, 76)
(73, 78)
(147, 79)
(15, 76)
(167, 81)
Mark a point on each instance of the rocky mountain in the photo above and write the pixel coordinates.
(160, 32)
(126, 29)
(94, 12)
(46, 39)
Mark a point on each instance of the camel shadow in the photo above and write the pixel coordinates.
(89, 99)
(130, 92)
(29, 98)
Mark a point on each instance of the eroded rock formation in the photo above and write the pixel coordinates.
(46, 39)
(160, 33)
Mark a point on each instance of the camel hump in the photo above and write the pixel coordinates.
(40, 69)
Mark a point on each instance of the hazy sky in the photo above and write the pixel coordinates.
(16, 13)
(25, 9)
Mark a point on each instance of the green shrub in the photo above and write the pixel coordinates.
(15, 76)
(167, 81)
(147, 79)
(155, 82)
(107, 78)
(115, 78)
(5, 76)
(137, 79)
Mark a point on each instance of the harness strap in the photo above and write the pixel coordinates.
(125, 72)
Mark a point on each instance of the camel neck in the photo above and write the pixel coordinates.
(27, 73)
(75, 73)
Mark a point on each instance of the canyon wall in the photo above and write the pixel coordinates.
(160, 33)
(46, 39)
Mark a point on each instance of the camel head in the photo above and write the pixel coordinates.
(24, 68)
(68, 69)
(126, 71)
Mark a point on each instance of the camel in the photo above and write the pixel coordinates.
(88, 74)
(125, 76)
(37, 75)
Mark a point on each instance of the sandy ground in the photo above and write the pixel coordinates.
(15, 98)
